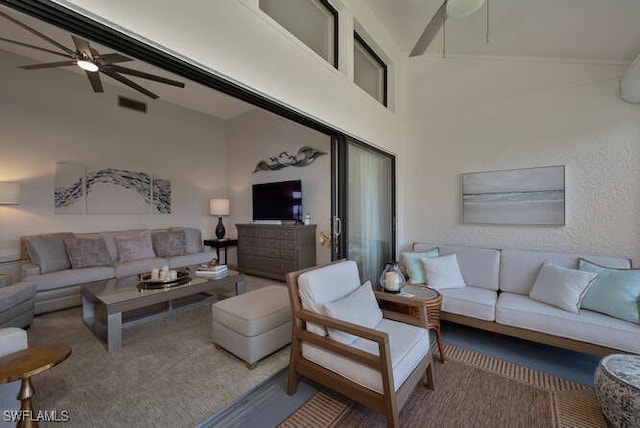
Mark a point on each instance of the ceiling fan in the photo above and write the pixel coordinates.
(448, 9)
(90, 60)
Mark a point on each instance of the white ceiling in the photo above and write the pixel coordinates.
(585, 29)
(194, 96)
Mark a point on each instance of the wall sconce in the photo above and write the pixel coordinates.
(9, 194)
(219, 207)
(324, 239)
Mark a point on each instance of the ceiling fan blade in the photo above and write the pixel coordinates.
(430, 31)
(49, 65)
(37, 33)
(112, 58)
(142, 74)
(83, 47)
(128, 82)
(15, 42)
(96, 83)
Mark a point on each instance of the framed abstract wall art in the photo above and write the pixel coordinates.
(528, 196)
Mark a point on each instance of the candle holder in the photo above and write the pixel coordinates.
(391, 278)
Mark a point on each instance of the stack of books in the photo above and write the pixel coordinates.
(219, 271)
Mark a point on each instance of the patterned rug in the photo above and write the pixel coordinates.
(472, 389)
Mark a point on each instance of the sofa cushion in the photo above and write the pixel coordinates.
(470, 301)
(193, 239)
(135, 267)
(190, 259)
(480, 267)
(615, 292)
(69, 277)
(134, 246)
(443, 272)
(359, 307)
(324, 285)
(12, 295)
(588, 326)
(408, 344)
(110, 242)
(48, 251)
(255, 312)
(169, 243)
(87, 252)
(519, 268)
(412, 264)
(561, 287)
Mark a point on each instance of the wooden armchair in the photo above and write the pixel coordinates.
(380, 368)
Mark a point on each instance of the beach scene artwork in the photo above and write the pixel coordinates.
(529, 196)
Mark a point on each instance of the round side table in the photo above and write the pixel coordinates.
(28, 362)
(432, 300)
(617, 385)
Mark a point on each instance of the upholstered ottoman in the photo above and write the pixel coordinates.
(617, 382)
(253, 325)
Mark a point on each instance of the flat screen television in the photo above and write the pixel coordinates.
(277, 201)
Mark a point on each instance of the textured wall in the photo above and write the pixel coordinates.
(469, 115)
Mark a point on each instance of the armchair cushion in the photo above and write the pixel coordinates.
(408, 344)
(324, 285)
(359, 307)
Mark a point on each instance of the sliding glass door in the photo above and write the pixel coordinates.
(363, 206)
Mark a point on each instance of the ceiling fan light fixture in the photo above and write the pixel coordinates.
(462, 8)
(87, 65)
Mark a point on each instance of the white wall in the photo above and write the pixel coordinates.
(259, 135)
(235, 39)
(53, 116)
(468, 115)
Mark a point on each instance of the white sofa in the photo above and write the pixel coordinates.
(496, 298)
(60, 289)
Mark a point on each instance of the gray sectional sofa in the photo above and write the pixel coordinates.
(59, 264)
(496, 298)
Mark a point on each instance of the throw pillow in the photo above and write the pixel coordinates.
(193, 239)
(134, 246)
(616, 292)
(169, 243)
(443, 272)
(413, 265)
(48, 251)
(359, 307)
(87, 252)
(561, 287)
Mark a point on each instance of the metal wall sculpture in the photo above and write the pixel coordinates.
(305, 157)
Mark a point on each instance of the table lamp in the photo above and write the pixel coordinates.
(219, 207)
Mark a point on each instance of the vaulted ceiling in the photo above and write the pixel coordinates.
(585, 29)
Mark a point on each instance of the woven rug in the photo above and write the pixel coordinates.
(471, 389)
(167, 374)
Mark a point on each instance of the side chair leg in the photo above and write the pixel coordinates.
(429, 377)
(292, 385)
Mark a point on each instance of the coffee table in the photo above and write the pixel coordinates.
(23, 364)
(104, 302)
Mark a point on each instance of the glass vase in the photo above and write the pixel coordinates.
(391, 278)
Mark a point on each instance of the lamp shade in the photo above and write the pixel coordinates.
(219, 206)
(462, 8)
(9, 193)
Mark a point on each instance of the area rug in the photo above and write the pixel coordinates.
(472, 389)
(167, 374)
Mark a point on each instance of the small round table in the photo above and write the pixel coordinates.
(432, 300)
(22, 365)
(617, 386)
